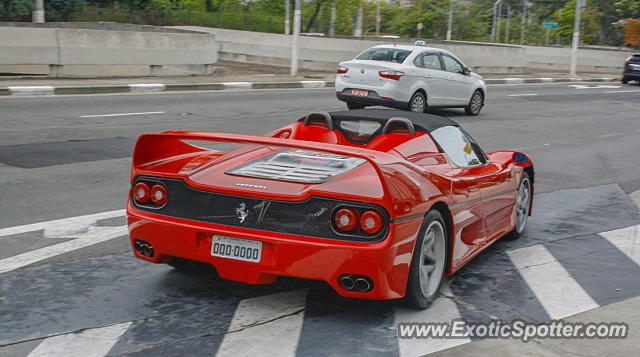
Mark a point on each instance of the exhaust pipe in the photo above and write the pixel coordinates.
(362, 285)
(352, 282)
(143, 248)
(346, 282)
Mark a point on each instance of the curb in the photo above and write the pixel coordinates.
(159, 87)
(546, 80)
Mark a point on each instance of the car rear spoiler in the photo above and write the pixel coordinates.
(152, 150)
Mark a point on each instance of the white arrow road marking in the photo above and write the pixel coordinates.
(442, 310)
(627, 240)
(94, 342)
(266, 326)
(584, 86)
(92, 236)
(558, 292)
(63, 228)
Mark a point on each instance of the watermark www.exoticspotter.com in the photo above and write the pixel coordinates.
(516, 329)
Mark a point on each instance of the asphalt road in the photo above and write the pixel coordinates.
(60, 157)
(67, 156)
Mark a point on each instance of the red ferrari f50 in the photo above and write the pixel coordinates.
(381, 204)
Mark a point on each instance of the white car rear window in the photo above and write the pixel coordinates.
(384, 54)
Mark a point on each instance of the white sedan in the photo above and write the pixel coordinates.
(409, 77)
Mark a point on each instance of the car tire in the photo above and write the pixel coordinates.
(523, 205)
(625, 81)
(429, 262)
(475, 103)
(418, 103)
(352, 105)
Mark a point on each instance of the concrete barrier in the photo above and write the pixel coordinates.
(589, 60)
(72, 52)
(323, 54)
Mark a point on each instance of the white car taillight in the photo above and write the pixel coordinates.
(395, 75)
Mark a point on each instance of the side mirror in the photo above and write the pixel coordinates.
(466, 70)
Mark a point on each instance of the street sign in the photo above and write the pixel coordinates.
(549, 25)
(420, 26)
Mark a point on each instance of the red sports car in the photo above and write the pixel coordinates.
(381, 204)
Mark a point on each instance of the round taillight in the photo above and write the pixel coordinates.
(371, 222)
(141, 192)
(346, 219)
(158, 194)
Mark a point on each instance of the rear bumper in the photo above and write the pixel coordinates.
(631, 75)
(387, 262)
(373, 99)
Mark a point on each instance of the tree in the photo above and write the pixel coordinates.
(318, 4)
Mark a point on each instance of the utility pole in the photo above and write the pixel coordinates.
(38, 12)
(357, 31)
(332, 24)
(297, 14)
(378, 18)
(524, 16)
(287, 25)
(576, 39)
(499, 21)
(506, 30)
(494, 20)
(449, 25)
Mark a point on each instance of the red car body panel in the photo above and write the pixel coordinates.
(406, 175)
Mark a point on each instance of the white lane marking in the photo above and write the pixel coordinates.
(609, 135)
(31, 90)
(514, 80)
(583, 86)
(624, 91)
(523, 95)
(627, 240)
(146, 87)
(64, 227)
(557, 291)
(118, 114)
(442, 310)
(266, 326)
(95, 342)
(93, 236)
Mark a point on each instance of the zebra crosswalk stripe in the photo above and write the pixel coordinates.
(558, 292)
(627, 240)
(442, 310)
(266, 326)
(94, 342)
(93, 236)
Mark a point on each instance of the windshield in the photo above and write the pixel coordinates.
(359, 131)
(384, 54)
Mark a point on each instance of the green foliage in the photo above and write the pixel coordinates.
(16, 9)
(471, 21)
(64, 10)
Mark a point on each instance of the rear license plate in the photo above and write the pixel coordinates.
(236, 248)
(634, 67)
(360, 92)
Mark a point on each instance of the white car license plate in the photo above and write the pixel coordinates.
(236, 248)
(635, 67)
(360, 92)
